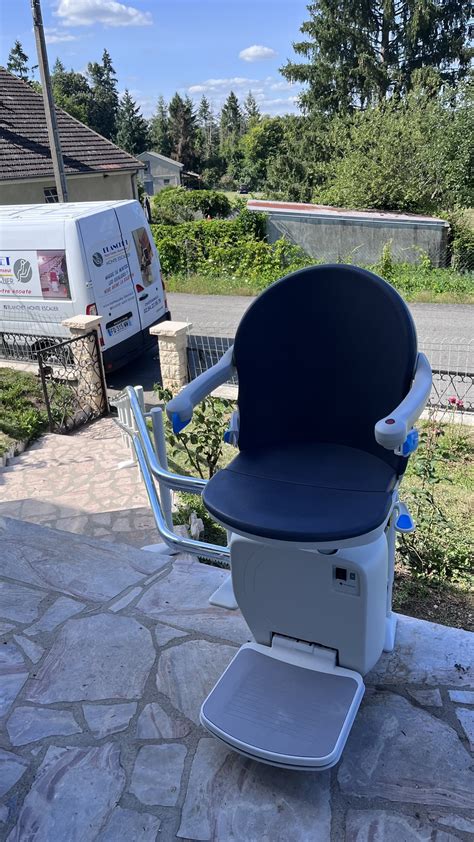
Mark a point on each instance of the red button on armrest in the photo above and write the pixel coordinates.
(390, 420)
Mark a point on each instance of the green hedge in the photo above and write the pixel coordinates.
(235, 248)
(175, 205)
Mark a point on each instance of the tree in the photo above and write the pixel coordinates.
(159, 129)
(412, 155)
(183, 131)
(260, 145)
(357, 54)
(132, 128)
(251, 111)
(72, 92)
(208, 133)
(105, 100)
(18, 63)
(231, 130)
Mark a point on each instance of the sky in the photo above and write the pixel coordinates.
(158, 47)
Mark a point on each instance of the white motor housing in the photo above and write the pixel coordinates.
(335, 599)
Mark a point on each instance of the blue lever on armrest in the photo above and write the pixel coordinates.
(177, 423)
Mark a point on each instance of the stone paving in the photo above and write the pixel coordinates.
(106, 653)
(74, 483)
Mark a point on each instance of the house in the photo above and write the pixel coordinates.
(95, 168)
(159, 172)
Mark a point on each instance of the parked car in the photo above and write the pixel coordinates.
(62, 260)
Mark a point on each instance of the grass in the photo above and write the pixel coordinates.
(436, 286)
(23, 415)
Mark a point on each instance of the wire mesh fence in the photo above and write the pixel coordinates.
(452, 362)
(24, 347)
(206, 351)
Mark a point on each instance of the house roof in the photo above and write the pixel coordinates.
(143, 156)
(24, 145)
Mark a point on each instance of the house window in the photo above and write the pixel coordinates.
(50, 195)
(166, 180)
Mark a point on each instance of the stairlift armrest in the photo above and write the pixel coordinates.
(391, 432)
(180, 409)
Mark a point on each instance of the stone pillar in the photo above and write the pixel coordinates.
(90, 370)
(172, 341)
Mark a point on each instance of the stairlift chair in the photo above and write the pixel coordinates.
(330, 385)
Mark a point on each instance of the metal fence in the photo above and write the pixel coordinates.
(206, 351)
(73, 382)
(24, 347)
(452, 361)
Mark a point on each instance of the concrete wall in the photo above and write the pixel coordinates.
(83, 188)
(360, 241)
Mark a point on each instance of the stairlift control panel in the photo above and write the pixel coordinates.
(345, 580)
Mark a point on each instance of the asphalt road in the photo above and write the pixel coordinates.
(444, 331)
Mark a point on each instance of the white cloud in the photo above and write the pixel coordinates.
(106, 12)
(58, 36)
(264, 90)
(257, 53)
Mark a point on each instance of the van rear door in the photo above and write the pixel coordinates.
(106, 253)
(144, 262)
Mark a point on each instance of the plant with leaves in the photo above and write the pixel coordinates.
(159, 129)
(17, 63)
(357, 54)
(202, 442)
(71, 92)
(132, 128)
(105, 98)
(260, 145)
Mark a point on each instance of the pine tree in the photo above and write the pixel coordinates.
(208, 132)
(252, 114)
(72, 92)
(356, 54)
(183, 131)
(18, 62)
(231, 130)
(105, 100)
(132, 128)
(159, 129)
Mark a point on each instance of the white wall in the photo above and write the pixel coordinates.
(83, 188)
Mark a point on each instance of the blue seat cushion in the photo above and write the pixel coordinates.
(302, 492)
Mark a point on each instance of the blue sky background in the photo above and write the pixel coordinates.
(158, 47)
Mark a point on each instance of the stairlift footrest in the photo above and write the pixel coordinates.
(269, 707)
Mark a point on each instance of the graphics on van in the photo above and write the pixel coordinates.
(97, 258)
(22, 270)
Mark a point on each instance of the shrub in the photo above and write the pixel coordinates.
(174, 205)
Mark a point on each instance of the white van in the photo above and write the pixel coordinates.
(62, 260)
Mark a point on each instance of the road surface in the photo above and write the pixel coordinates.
(219, 315)
(444, 331)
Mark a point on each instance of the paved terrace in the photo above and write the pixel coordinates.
(106, 653)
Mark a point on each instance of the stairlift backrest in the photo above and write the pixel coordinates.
(322, 355)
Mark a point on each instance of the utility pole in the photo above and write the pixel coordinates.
(50, 113)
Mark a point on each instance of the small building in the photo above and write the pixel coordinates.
(159, 172)
(95, 168)
(335, 234)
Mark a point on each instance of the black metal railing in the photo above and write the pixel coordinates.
(73, 382)
(206, 351)
(24, 347)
